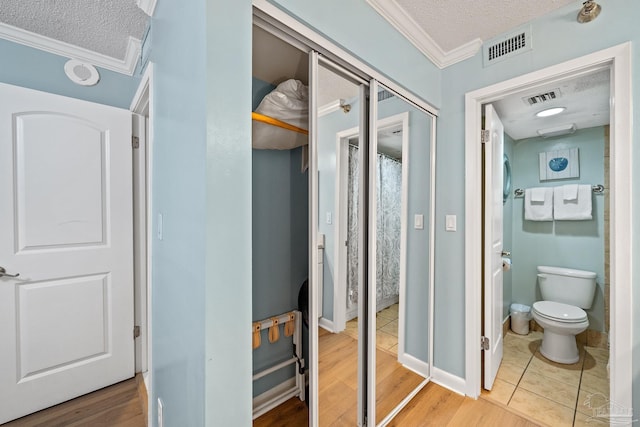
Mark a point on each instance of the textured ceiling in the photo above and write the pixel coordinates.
(452, 23)
(102, 26)
(586, 99)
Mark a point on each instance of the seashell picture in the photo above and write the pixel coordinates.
(559, 164)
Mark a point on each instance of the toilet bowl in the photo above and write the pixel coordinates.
(561, 323)
(565, 292)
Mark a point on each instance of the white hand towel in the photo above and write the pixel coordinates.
(570, 192)
(538, 194)
(538, 210)
(578, 209)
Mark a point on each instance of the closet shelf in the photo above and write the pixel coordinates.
(275, 122)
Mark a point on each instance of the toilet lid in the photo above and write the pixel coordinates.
(560, 312)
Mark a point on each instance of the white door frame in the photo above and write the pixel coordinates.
(142, 105)
(618, 58)
(342, 166)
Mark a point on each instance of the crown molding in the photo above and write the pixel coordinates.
(407, 26)
(147, 6)
(125, 66)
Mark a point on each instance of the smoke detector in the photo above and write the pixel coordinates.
(81, 73)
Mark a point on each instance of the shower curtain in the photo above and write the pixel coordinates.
(389, 193)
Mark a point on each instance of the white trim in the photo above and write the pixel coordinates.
(449, 381)
(414, 364)
(147, 6)
(432, 243)
(288, 24)
(340, 233)
(143, 100)
(125, 66)
(621, 333)
(327, 324)
(371, 251)
(275, 396)
(407, 26)
(313, 240)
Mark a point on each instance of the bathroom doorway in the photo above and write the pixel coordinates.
(615, 60)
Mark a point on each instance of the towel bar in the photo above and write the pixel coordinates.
(598, 188)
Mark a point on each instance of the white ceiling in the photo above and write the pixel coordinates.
(585, 97)
(453, 23)
(105, 33)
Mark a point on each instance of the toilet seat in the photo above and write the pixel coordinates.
(559, 312)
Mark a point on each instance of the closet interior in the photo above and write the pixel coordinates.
(280, 225)
(369, 348)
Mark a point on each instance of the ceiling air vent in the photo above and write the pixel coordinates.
(504, 47)
(541, 98)
(384, 94)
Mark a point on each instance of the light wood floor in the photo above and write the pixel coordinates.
(432, 406)
(121, 405)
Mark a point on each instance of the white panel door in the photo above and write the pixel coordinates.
(66, 322)
(494, 152)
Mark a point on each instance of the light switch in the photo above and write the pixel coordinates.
(329, 218)
(450, 223)
(418, 221)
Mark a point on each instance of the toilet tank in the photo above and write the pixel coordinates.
(567, 285)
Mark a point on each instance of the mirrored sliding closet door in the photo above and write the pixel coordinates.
(400, 270)
(339, 98)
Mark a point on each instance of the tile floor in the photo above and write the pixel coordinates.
(386, 329)
(549, 392)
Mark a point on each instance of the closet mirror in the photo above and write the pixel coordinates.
(400, 185)
(339, 109)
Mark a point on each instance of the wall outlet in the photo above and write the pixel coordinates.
(160, 413)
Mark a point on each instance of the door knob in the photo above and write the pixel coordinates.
(506, 253)
(3, 273)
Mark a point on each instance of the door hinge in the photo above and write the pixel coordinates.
(136, 332)
(484, 136)
(135, 142)
(484, 343)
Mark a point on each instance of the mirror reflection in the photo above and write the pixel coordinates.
(338, 167)
(402, 269)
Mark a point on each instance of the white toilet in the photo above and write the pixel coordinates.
(565, 292)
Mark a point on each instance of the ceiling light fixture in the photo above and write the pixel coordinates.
(550, 112)
(590, 11)
(557, 131)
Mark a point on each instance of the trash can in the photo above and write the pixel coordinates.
(520, 315)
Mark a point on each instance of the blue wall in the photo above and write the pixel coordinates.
(573, 244)
(179, 184)
(35, 69)
(228, 214)
(557, 37)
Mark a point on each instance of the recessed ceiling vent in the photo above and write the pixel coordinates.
(541, 98)
(504, 47)
(384, 94)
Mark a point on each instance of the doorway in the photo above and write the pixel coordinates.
(617, 59)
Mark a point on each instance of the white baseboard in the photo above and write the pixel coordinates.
(449, 381)
(273, 397)
(415, 364)
(326, 324)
